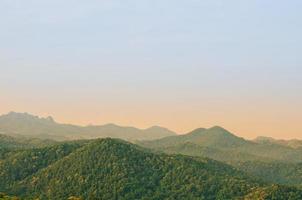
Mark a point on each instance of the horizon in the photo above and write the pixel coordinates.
(150, 99)
(175, 64)
(144, 128)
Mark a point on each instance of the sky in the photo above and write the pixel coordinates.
(177, 64)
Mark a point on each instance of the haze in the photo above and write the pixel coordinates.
(177, 64)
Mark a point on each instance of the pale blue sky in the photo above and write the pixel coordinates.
(210, 54)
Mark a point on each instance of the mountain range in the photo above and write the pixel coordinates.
(220, 144)
(268, 160)
(294, 143)
(40, 158)
(24, 124)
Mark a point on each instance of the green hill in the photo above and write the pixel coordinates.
(213, 137)
(265, 159)
(228, 156)
(222, 142)
(20, 164)
(114, 169)
(20, 142)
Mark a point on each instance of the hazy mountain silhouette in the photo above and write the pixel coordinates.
(294, 143)
(28, 125)
(215, 136)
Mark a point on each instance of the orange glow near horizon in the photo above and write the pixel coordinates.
(247, 120)
(177, 64)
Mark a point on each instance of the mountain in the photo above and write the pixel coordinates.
(28, 125)
(265, 158)
(114, 169)
(127, 133)
(216, 142)
(215, 136)
(290, 143)
(24, 124)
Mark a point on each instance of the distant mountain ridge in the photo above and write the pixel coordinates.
(215, 136)
(220, 144)
(294, 143)
(275, 161)
(112, 168)
(33, 126)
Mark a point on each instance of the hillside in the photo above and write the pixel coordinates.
(111, 169)
(274, 192)
(115, 169)
(228, 156)
(265, 158)
(274, 172)
(24, 124)
(212, 137)
(20, 164)
(267, 169)
(221, 142)
(17, 142)
(268, 140)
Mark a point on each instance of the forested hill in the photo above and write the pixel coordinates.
(274, 161)
(220, 144)
(114, 169)
(19, 142)
(109, 169)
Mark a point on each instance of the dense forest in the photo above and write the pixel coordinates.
(222, 145)
(109, 169)
(115, 169)
(272, 161)
(203, 164)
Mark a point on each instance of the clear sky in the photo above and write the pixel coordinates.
(179, 64)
